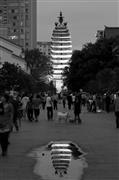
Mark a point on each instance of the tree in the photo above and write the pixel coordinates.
(39, 64)
(12, 77)
(93, 68)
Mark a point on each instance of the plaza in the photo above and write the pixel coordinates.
(97, 136)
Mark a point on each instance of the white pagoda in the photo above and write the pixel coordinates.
(61, 50)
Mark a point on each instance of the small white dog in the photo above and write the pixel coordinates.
(63, 116)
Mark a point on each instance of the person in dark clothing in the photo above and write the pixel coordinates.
(94, 109)
(36, 106)
(64, 101)
(15, 104)
(69, 100)
(55, 104)
(43, 101)
(55, 101)
(77, 108)
(107, 102)
(29, 109)
(49, 105)
(116, 103)
(6, 122)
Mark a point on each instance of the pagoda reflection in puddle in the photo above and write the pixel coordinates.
(59, 159)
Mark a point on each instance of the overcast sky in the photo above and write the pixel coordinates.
(84, 18)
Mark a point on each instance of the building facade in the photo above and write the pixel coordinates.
(18, 19)
(61, 50)
(44, 48)
(108, 32)
(12, 53)
(111, 32)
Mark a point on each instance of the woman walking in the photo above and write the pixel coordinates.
(6, 122)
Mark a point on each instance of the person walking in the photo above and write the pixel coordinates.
(55, 101)
(6, 122)
(29, 109)
(73, 98)
(49, 105)
(15, 104)
(107, 102)
(64, 101)
(94, 104)
(24, 102)
(69, 100)
(36, 106)
(43, 101)
(77, 108)
(116, 103)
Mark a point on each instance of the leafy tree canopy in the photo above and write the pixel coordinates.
(95, 67)
(39, 64)
(12, 77)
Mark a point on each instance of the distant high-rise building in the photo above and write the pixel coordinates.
(18, 22)
(44, 47)
(61, 50)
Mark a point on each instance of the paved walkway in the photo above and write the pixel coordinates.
(97, 136)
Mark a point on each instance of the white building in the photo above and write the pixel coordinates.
(61, 50)
(12, 53)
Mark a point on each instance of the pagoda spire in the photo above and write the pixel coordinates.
(61, 18)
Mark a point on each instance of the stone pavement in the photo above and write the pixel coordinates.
(97, 136)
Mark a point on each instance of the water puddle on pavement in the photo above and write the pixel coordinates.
(59, 160)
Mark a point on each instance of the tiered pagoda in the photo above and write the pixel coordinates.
(61, 50)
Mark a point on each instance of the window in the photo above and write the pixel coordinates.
(15, 30)
(22, 30)
(14, 23)
(27, 43)
(15, 17)
(26, 17)
(21, 23)
(26, 10)
(0, 11)
(16, 11)
(12, 10)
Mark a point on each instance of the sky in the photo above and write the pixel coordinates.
(84, 18)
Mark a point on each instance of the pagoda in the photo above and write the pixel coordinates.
(61, 50)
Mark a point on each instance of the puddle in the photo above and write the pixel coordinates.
(59, 160)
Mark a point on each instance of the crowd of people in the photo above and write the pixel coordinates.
(17, 107)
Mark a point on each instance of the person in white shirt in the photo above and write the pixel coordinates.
(49, 106)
